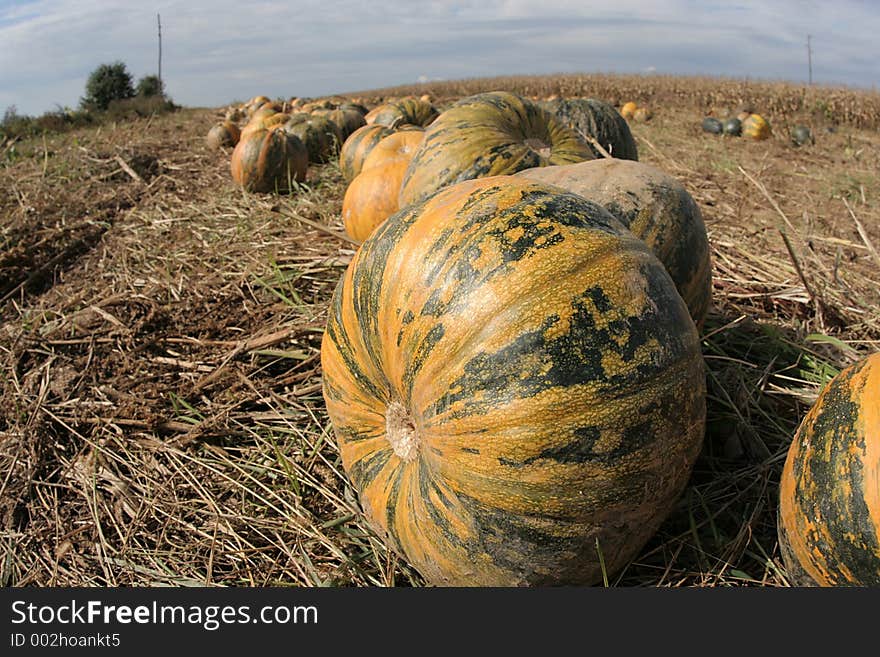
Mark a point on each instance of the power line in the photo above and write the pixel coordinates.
(810, 57)
(159, 23)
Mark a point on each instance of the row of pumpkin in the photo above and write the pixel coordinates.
(512, 360)
(502, 355)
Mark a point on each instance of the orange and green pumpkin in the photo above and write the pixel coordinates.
(399, 144)
(354, 105)
(512, 379)
(264, 110)
(234, 114)
(255, 102)
(278, 118)
(321, 136)
(406, 110)
(323, 103)
(485, 135)
(628, 110)
(358, 146)
(265, 122)
(656, 208)
(600, 121)
(756, 127)
(257, 117)
(348, 120)
(268, 161)
(225, 133)
(829, 502)
(372, 196)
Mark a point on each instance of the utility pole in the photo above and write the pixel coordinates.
(159, 23)
(810, 57)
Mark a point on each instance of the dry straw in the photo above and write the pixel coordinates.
(162, 421)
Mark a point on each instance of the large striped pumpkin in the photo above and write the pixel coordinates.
(405, 110)
(485, 135)
(656, 208)
(358, 146)
(598, 120)
(829, 503)
(269, 161)
(512, 380)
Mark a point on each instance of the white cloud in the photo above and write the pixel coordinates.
(215, 52)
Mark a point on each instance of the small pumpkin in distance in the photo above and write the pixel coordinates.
(269, 161)
(756, 127)
(829, 493)
(255, 102)
(801, 135)
(511, 379)
(234, 114)
(733, 127)
(628, 110)
(225, 133)
(358, 146)
(712, 125)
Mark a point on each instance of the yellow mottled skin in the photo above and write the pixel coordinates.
(812, 541)
(498, 469)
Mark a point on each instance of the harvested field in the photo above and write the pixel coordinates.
(161, 416)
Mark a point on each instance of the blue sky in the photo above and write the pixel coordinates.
(224, 50)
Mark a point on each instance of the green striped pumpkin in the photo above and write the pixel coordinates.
(225, 133)
(656, 208)
(488, 134)
(348, 120)
(405, 110)
(512, 380)
(268, 161)
(829, 503)
(358, 145)
(598, 120)
(321, 136)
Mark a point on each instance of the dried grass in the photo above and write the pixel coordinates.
(783, 102)
(162, 420)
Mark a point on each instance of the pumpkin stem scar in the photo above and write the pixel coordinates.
(401, 432)
(538, 146)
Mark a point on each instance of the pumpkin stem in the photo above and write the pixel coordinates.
(401, 432)
(539, 147)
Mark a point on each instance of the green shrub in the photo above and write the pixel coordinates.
(150, 85)
(107, 83)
